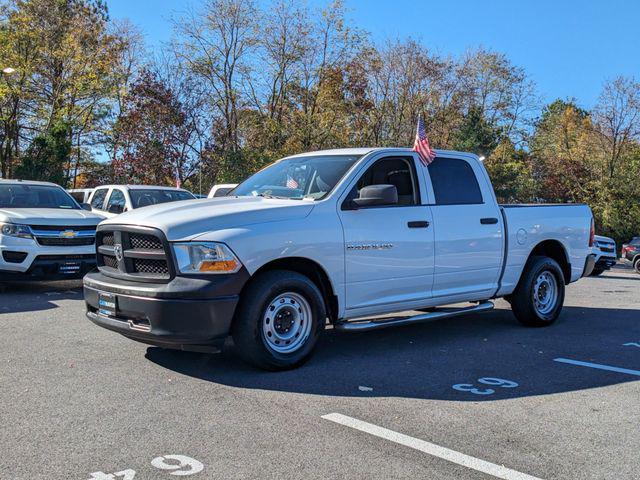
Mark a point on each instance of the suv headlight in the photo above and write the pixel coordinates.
(205, 257)
(15, 230)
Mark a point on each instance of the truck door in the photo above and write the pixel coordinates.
(468, 229)
(388, 249)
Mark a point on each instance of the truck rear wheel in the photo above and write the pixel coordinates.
(538, 298)
(280, 318)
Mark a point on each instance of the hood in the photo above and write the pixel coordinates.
(188, 219)
(49, 216)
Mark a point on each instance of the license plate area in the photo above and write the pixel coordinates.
(69, 268)
(107, 304)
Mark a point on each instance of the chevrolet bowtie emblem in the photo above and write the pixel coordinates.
(68, 234)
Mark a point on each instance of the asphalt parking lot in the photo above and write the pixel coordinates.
(448, 399)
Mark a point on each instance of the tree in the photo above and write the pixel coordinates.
(476, 134)
(617, 121)
(564, 153)
(158, 138)
(65, 56)
(46, 157)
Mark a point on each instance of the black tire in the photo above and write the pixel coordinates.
(596, 272)
(522, 302)
(636, 266)
(248, 328)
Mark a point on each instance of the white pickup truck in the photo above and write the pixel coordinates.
(340, 236)
(44, 233)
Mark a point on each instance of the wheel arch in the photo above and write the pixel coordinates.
(553, 249)
(310, 269)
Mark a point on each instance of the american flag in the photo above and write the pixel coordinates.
(421, 145)
(291, 182)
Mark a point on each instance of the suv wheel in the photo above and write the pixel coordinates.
(537, 300)
(636, 266)
(280, 318)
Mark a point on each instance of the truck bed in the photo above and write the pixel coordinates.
(528, 225)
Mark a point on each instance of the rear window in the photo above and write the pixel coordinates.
(35, 196)
(77, 196)
(454, 182)
(146, 197)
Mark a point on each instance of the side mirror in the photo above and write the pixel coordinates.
(376, 195)
(86, 206)
(115, 208)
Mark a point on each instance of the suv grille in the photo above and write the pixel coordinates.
(57, 236)
(134, 253)
(65, 242)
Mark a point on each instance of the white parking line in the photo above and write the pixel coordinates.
(489, 468)
(598, 366)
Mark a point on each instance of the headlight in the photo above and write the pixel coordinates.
(205, 257)
(15, 230)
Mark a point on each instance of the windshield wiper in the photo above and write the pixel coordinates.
(268, 195)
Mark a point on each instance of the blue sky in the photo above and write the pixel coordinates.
(568, 47)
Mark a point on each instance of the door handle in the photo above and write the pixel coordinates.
(488, 221)
(418, 224)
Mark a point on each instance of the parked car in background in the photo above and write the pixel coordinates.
(221, 190)
(335, 235)
(44, 232)
(631, 253)
(81, 195)
(604, 249)
(112, 200)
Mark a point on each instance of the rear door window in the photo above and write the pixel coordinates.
(454, 182)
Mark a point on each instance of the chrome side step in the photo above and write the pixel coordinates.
(374, 324)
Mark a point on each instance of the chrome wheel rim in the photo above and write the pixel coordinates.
(286, 323)
(545, 293)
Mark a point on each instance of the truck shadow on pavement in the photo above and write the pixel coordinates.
(33, 296)
(424, 361)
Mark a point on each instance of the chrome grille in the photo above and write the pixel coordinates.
(145, 242)
(158, 267)
(110, 261)
(107, 239)
(133, 252)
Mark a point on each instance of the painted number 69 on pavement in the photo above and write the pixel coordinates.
(492, 381)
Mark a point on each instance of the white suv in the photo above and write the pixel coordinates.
(604, 249)
(112, 200)
(44, 232)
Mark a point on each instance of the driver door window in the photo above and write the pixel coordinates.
(397, 171)
(97, 201)
(116, 202)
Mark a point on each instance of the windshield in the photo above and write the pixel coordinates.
(15, 195)
(296, 178)
(146, 197)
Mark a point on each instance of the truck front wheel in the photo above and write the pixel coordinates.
(538, 298)
(280, 318)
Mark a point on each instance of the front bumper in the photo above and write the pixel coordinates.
(605, 263)
(51, 267)
(187, 313)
